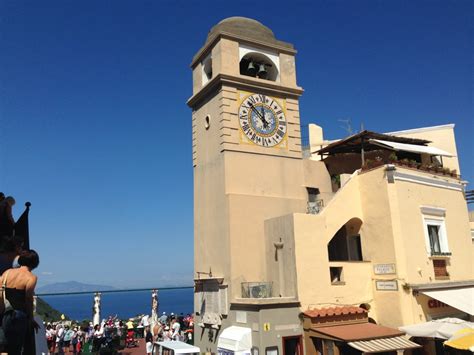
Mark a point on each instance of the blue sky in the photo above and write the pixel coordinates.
(97, 135)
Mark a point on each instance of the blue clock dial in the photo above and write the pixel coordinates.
(262, 120)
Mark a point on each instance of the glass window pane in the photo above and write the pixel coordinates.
(433, 232)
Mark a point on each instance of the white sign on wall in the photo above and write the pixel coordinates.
(384, 269)
(391, 285)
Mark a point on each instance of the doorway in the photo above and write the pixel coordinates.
(292, 345)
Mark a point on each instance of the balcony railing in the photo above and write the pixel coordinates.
(440, 253)
(257, 289)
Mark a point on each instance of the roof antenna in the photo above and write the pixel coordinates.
(347, 126)
(362, 126)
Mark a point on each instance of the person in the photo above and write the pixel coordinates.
(163, 318)
(145, 321)
(60, 338)
(148, 340)
(97, 337)
(7, 222)
(175, 328)
(68, 333)
(74, 340)
(166, 334)
(19, 290)
(50, 338)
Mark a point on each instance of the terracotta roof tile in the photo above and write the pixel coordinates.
(331, 311)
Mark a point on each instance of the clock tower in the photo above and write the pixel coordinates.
(248, 168)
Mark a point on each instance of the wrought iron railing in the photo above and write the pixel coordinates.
(315, 207)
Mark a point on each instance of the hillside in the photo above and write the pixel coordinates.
(46, 312)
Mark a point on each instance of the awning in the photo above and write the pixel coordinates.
(462, 340)
(235, 339)
(439, 328)
(414, 148)
(357, 331)
(367, 337)
(459, 298)
(384, 344)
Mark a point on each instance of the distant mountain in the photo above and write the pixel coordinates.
(71, 286)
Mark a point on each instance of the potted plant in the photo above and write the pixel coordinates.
(368, 163)
(335, 182)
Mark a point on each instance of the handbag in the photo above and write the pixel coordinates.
(5, 305)
(5, 309)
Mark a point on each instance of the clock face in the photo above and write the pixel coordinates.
(262, 120)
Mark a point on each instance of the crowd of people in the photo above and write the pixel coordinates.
(17, 285)
(68, 337)
(114, 334)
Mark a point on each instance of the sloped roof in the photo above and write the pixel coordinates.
(353, 144)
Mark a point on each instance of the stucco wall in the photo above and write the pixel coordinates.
(312, 234)
(419, 267)
(209, 193)
(253, 198)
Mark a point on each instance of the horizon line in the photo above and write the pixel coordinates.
(113, 291)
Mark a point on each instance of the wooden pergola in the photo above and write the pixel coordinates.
(361, 142)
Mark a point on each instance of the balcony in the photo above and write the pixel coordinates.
(257, 289)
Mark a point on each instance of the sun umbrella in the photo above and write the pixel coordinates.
(439, 328)
(462, 340)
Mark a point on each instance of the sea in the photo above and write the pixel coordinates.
(124, 305)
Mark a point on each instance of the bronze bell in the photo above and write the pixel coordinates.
(251, 70)
(262, 71)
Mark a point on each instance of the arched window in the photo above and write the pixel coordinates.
(206, 69)
(258, 65)
(346, 243)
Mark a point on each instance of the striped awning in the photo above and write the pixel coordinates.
(383, 344)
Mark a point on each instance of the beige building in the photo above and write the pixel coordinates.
(370, 228)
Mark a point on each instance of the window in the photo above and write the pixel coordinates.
(433, 233)
(435, 236)
(439, 268)
(259, 64)
(312, 194)
(336, 275)
(206, 69)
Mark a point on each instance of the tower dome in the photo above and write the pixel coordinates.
(247, 28)
(243, 26)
